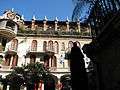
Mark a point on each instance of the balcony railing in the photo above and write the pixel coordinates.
(53, 32)
(58, 70)
(6, 68)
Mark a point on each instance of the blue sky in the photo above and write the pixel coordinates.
(39, 8)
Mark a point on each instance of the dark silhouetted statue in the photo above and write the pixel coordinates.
(78, 72)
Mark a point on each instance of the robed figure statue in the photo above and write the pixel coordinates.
(77, 66)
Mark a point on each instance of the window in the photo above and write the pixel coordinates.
(50, 45)
(32, 58)
(11, 60)
(34, 45)
(56, 47)
(44, 46)
(7, 60)
(14, 44)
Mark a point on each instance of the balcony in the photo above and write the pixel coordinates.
(8, 28)
(5, 70)
(55, 70)
(11, 51)
(53, 33)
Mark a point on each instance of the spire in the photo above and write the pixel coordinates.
(45, 18)
(12, 9)
(56, 18)
(22, 17)
(78, 20)
(68, 19)
(34, 17)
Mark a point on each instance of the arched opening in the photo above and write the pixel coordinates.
(56, 47)
(7, 60)
(34, 45)
(54, 61)
(32, 58)
(44, 46)
(50, 45)
(4, 41)
(46, 60)
(11, 60)
(14, 44)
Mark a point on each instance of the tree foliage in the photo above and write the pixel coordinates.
(26, 75)
(100, 12)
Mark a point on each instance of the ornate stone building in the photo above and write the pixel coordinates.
(44, 41)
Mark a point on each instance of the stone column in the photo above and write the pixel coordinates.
(14, 63)
(8, 87)
(50, 62)
(11, 60)
(59, 85)
(41, 85)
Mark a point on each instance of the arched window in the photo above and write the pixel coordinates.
(44, 46)
(32, 58)
(11, 60)
(56, 47)
(54, 61)
(14, 44)
(70, 44)
(34, 45)
(7, 59)
(50, 45)
(63, 46)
